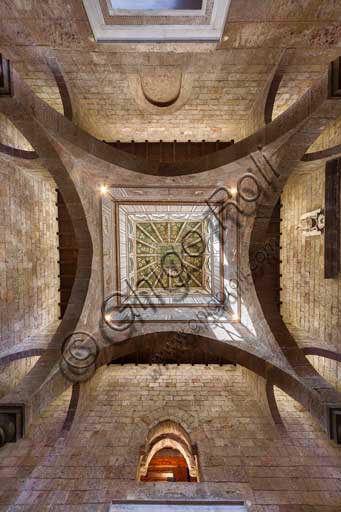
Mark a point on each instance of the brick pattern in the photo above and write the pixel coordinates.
(329, 369)
(316, 464)
(330, 137)
(237, 444)
(10, 136)
(311, 305)
(42, 82)
(216, 109)
(227, 81)
(45, 432)
(310, 302)
(226, 87)
(12, 373)
(296, 81)
(29, 255)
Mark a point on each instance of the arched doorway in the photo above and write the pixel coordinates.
(168, 465)
(168, 455)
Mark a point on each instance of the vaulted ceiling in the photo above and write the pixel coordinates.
(154, 91)
(112, 83)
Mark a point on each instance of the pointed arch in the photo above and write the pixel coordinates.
(168, 435)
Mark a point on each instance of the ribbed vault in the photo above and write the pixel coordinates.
(266, 157)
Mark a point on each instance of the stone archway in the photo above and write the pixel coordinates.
(168, 435)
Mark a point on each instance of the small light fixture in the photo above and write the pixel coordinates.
(103, 189)
(107, 317)
(235, 316)
(233, 191)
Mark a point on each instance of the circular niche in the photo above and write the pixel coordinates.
(161, 90)
(161, 87)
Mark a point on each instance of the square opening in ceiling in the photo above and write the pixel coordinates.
(162, 20)
(168, 260)
(166, 250)
(157, 5)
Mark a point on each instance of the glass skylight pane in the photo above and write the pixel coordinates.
(156, 5)
(173, 507)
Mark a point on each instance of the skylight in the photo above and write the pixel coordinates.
(169, 249)
(168, 260)
(157, 20)
(181, 506)
(156, 5)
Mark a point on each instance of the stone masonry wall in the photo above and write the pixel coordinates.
(28, 255)
(239, 448)
(329, 369)
(10, 136)
(310, 302)
(12, 373)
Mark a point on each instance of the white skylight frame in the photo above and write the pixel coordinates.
(150, 212)
(177, 506)
(144, 33)
(209, 315)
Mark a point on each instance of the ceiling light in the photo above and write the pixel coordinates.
(103, 189)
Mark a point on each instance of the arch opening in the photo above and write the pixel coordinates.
(168, 465)
(168, 455)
